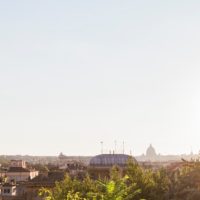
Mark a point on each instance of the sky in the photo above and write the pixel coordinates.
(75, 73)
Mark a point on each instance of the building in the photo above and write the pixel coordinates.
(18, 163)
(18, 171)
(8, 190)
(101, 165)
(47, 180)
(151, 153)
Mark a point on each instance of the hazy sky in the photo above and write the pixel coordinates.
(74, 73)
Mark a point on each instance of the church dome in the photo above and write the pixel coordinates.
(151, 152)
(110, 160)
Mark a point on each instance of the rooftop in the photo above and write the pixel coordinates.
(110, 160)
(18, 169)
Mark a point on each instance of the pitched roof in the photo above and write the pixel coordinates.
(51, 178)
(18, 169)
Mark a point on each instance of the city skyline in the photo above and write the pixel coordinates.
(73, 74)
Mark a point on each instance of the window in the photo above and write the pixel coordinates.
(6, 191)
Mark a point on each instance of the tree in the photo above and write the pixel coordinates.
(115, 188)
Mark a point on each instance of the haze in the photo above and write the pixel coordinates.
(74, 73)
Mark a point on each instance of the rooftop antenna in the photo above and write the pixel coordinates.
(123, 148)
(101, 147)
(115, 146)
(191, 152)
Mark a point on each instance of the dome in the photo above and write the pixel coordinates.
(151, 152)
(110, 160)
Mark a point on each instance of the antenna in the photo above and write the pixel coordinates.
(115, 146)
(123, 148)
(101, 147)
(191, 152)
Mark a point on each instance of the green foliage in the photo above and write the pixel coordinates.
(137, 184)
(153, 185)
(186, 183)
(114, 189)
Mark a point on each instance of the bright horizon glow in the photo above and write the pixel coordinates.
(73, 74)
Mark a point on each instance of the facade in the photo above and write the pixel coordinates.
(29, 190)
(18, 163)
(8, 190)
(18, 172)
